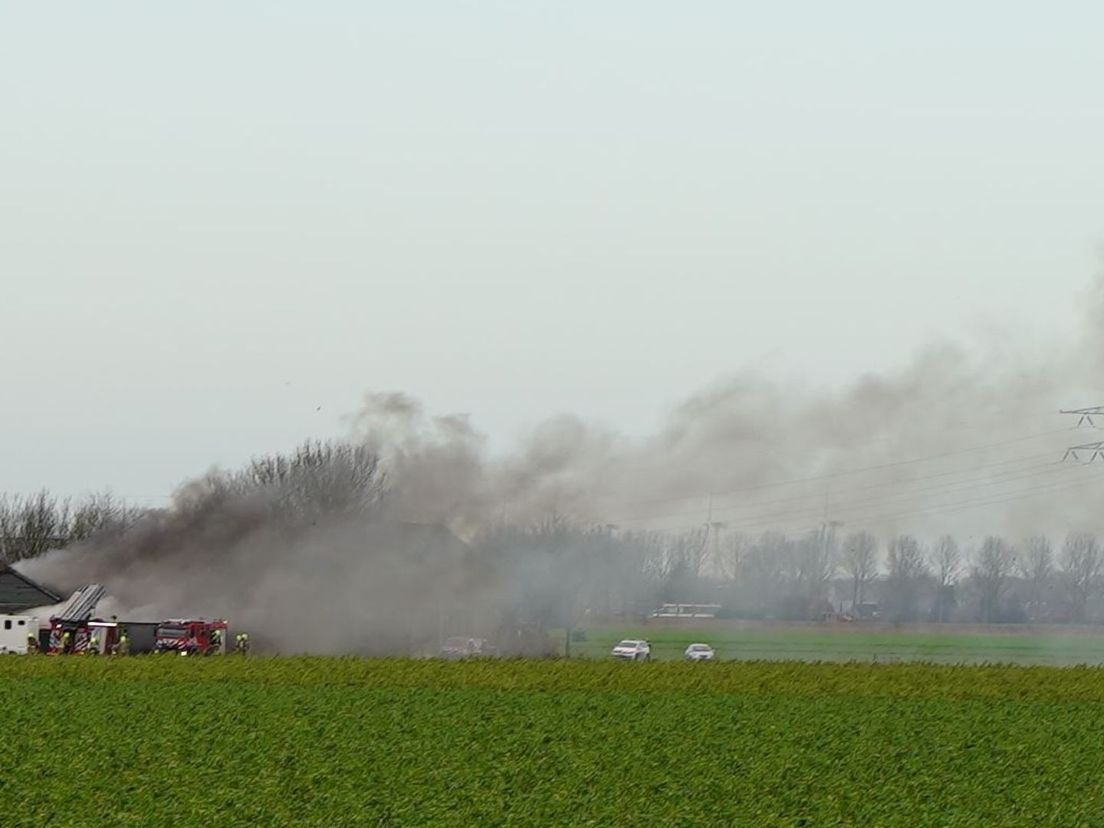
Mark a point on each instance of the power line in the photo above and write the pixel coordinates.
(965, 486)
(992, 498)
(1030, 492)
(881, 485)
(987, 425)
(960, 505)
(846, 472)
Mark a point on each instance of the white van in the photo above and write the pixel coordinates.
(14, 630)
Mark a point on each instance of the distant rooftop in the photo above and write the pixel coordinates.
(18, 593)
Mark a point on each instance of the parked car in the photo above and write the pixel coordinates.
(699, 652)
(458, 647)
(632, 649)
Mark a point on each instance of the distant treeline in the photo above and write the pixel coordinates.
(31, 525)
(555, 571)
(902, 579)
(315, 479)
(818, 575)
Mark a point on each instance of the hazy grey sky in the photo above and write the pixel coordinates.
(215, 218)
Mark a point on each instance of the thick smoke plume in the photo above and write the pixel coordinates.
(414, 529)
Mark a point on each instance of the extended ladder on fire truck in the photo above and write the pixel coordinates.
(81, 605)
(69, 631)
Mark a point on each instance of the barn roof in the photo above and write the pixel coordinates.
(19, 593)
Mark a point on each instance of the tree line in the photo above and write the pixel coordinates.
(902, 579)
(557, 571)
(31, 525)
(316, 479)
(572, 571)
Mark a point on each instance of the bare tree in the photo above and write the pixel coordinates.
(624, 571)
(734, 550)
(9, 510)
(946, 562)
(316, 478)
(556, 563)
(994, 562)
(905, 571)
(1081, 565)
(766, 570)
(654, 559)
(100, 513)
(686, 556)
(32, 525)
(859, 560)
(691, 549)
(818, 554)
(1036, 565)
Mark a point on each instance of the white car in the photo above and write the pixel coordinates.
(457, 647)
(699, 652)
(632, 649)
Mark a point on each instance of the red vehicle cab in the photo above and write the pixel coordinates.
(191, 636)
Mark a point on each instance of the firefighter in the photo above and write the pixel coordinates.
(243, 643)
(216, 641)
(32, 644)
(66, 640)
(123, 648)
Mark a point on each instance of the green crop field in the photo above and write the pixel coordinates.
(826, 644)
(151, 741)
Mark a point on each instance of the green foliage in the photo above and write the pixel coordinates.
(310, 741)
(856, 644)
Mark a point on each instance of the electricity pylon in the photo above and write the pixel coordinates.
(1094, 450)
(1085, 415)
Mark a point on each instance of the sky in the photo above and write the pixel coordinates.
(221, 225)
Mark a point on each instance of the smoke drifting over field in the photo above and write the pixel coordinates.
(962, 441)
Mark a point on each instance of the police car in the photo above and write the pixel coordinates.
(699, 652)
(632, 649)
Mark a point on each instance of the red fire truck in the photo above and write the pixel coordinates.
(70, 630)
(191, 636)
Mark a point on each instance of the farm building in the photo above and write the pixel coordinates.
(18, 593)
(687, 611)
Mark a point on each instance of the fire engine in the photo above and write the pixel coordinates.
(72, 630)
(191, 636)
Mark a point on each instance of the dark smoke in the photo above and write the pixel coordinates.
(363, 552)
